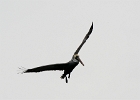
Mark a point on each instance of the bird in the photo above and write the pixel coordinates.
(66, 67)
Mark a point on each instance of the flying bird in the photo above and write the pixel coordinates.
(66, 67)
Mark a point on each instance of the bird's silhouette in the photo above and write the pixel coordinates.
(66, 67)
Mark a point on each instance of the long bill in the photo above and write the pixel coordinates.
(80, 61)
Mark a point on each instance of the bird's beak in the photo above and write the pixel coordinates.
(80, 61)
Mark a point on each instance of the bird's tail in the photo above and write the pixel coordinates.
(21, 70)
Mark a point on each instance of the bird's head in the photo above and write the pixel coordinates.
(76, 58)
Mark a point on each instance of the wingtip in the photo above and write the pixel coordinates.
(92, 25)
(21, 70)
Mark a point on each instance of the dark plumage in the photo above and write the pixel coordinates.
(67, 67)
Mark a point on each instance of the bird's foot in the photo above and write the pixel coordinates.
(66, 80)
(63, 76)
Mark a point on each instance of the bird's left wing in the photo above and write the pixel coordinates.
(51, 67)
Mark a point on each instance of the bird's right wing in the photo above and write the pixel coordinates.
(84, 40)
(51, 67)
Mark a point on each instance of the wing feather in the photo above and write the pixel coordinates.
(84, 40)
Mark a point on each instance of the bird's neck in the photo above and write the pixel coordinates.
(75, 60)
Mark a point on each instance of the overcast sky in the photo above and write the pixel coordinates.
(41, 32)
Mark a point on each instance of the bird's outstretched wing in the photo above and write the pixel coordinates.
(51, 67)
(84, 40)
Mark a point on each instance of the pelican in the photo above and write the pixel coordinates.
(66, 67)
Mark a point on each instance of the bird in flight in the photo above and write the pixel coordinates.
(66, 67)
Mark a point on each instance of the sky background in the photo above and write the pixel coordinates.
(41, 32)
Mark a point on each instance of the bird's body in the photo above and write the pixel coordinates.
(69, 68)
(66, 67)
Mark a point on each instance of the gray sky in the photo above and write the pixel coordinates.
(37, 32)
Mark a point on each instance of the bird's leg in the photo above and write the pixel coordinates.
(66, 80)
(69, 75)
